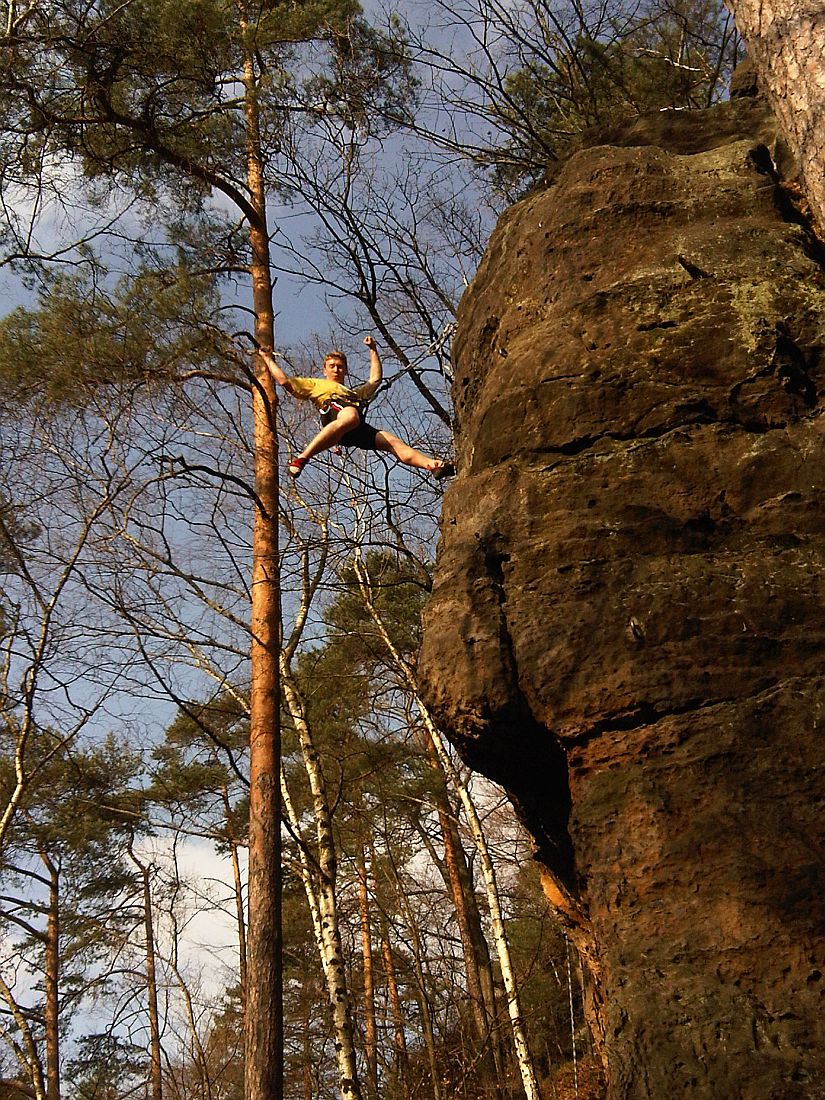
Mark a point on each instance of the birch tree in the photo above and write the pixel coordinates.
(319, 873)
(523, 1054)
(328, 914)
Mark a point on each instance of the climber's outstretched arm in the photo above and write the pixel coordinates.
(274, 368)
(376, 370)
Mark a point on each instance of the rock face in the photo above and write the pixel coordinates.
(627, 626)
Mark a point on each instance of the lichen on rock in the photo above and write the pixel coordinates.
(626, 625)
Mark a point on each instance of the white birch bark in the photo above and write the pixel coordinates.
(305, 868)
(23, 1043)
(332, 952)
(523, 1057)
(370, 1029)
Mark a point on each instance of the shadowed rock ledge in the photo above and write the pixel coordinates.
(627, 624)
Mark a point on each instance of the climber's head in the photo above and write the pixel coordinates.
(335, 366)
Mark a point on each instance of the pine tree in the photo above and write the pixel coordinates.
(180, 104)
(66, 882)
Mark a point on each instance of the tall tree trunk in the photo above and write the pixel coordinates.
(786, 43)
(238, 889)
(263, 1013)
(370, 1030)
(332, 950)
(52, 982)
(480, 982)
(155, 1061)
(399, 1033)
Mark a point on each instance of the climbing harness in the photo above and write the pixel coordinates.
(331, 408)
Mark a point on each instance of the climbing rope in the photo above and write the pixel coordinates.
(432, 349)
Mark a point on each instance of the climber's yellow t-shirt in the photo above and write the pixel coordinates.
(321, 390)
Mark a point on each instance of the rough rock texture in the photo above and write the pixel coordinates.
(627, 626)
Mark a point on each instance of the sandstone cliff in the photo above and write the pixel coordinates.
(627, 623)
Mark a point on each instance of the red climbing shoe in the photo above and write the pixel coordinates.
(295, 466)
(442, 470)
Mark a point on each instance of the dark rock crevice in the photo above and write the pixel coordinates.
(789, 202)
(537, 782)
(645, 716)
(794, 367)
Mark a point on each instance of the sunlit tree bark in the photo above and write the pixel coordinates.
(786, 43)
(263, 989)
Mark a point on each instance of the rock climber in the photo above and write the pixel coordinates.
(342, 413)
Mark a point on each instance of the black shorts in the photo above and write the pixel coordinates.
(362, 437)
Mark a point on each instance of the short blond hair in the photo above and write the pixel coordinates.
(336, 354)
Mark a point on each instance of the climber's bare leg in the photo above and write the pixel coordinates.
(386, 441)
(331, 433)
